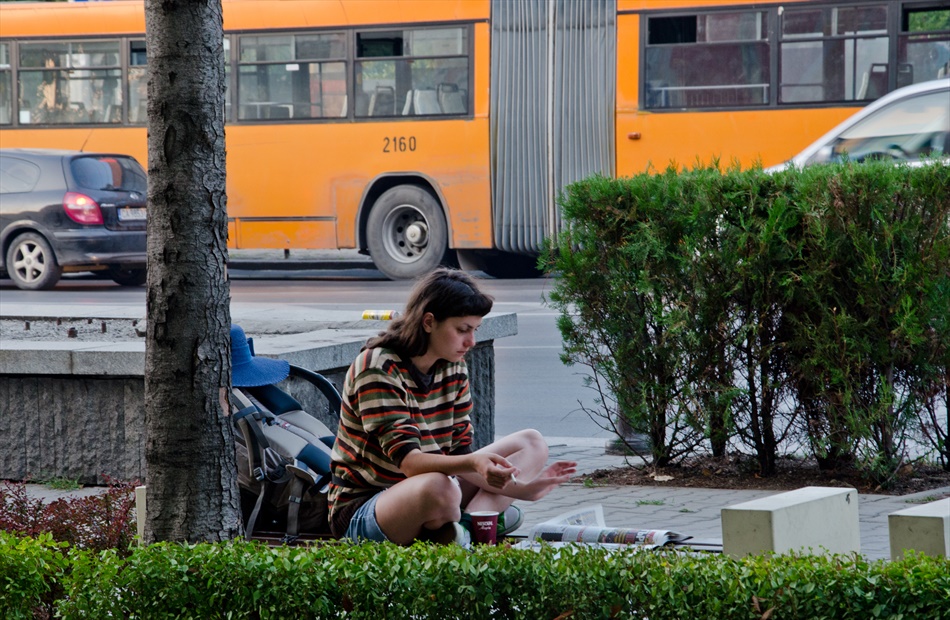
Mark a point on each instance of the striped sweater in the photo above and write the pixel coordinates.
(389, 409)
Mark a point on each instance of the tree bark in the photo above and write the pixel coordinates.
(190, 469)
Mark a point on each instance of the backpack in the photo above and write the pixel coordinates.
(283, 459)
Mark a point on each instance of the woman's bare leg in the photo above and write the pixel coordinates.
(426, 501)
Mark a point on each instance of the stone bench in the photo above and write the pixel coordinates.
(819, 519)
(924, 528)
(75, 409)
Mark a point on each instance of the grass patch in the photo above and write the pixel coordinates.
(922, 500)
(63, 484)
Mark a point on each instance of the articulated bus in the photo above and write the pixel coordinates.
(420, 132)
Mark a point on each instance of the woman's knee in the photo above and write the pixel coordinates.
(440, 495)
(533, 442)
(419, 499)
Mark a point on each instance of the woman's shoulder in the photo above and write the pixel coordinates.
(447, 369)
(377, 358)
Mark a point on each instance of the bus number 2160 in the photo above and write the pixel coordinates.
(399, 144)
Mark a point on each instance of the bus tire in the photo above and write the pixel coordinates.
(31, 263)
(406, 233)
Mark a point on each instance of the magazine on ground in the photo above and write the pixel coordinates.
(586, 526)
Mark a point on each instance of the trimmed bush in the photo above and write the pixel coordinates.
(381, 581)
(764, 311)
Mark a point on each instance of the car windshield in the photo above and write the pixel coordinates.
(907, 130)
(109, 173)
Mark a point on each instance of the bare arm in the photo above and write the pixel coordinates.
(549, 478)
(494, 469)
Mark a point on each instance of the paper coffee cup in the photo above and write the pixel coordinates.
(485, 527)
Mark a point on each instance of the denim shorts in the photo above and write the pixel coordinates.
(363, 525)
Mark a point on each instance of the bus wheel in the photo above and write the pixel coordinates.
(406, 233)
(501, 265)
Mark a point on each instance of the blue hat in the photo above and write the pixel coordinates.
(250, 371)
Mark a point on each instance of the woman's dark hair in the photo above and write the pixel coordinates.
(446, 293)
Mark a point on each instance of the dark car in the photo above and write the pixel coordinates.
(71, 211)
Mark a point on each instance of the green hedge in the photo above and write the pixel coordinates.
(806, 307)
(249, 580)
(31, 571)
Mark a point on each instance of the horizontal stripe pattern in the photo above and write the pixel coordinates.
(387, 412)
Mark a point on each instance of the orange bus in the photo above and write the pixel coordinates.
(420, 132)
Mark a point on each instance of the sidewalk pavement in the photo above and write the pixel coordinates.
(689, 511)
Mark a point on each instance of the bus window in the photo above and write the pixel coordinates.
(6, 86)
(923, 46)
(421, 72)
(708, 60)
(292, 76)
(227, 79)
(833, 54)
(70, 82)
(138, 83)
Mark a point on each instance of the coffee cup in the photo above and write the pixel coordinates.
(485, 527)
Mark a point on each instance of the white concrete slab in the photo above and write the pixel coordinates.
(924, 528)
(810, 519)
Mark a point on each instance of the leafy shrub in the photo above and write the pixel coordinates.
(766, 311)
(30, 575)
(97, 522)
(381, 581)
(869, 344)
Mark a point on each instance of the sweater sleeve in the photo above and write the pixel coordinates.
(385, 414)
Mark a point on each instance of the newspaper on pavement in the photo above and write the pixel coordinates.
(586, 526)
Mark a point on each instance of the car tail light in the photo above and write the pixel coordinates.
(82, 209)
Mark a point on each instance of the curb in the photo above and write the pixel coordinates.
(298, 260)
(298, 265)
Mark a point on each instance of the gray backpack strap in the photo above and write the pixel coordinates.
(293, 507)
(249, 420)
(303, 479)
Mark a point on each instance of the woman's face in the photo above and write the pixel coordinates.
(452, 338)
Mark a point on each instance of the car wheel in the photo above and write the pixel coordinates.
(406, 233)
(31, 263)
(127, 277)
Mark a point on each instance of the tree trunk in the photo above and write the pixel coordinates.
(190, 468)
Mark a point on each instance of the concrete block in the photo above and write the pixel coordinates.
(924, 528)
(25, 358)
(110, 360)
(820, 519)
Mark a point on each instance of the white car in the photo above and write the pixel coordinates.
(910, 124)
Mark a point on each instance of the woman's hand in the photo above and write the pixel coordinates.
(549, 478)
(495, 469)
